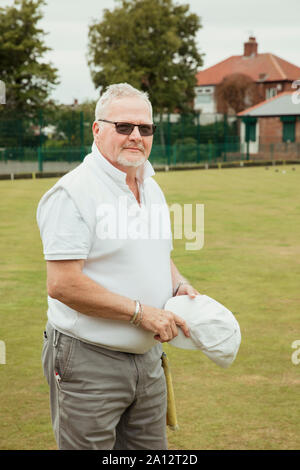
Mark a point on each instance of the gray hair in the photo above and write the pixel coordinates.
(117, 91)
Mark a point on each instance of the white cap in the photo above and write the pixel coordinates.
(213, 328)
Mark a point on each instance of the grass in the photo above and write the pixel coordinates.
(249, 262)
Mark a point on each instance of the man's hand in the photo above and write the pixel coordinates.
(163, 323)
(187, 289)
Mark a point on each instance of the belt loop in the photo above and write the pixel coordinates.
(55, 338)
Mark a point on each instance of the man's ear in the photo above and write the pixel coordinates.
(96, 128)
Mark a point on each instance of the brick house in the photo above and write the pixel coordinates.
(271, 129)
(271, 74)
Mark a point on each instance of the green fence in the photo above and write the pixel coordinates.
(64, 136)
(68, 127)
(160, 155)
(172, 155)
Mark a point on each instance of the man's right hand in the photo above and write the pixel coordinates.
(163, 323)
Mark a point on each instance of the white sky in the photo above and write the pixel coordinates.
(227, 24)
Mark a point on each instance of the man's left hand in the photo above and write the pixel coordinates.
(187, 289)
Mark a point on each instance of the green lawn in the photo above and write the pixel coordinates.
(249, 262)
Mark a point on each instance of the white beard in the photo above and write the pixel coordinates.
(124, 162)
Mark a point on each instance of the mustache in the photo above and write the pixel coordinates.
(137, 146)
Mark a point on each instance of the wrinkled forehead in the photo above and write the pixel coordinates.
(133, 109)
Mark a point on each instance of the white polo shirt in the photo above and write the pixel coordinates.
(91, 214)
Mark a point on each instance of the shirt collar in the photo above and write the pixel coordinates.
(144, 171)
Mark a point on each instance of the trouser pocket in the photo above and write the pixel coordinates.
(64, 351)
(57, 354)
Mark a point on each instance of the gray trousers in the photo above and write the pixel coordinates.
(102, 399)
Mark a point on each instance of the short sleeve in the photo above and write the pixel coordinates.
(64, 233)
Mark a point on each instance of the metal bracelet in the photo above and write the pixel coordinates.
(141, 316)
(137, 309)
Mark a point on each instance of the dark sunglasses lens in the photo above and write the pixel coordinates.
(146, 129)
(124, 128)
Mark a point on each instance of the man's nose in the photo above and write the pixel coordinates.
(135, 134)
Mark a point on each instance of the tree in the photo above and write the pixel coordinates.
(151, 45)
(237, 92)
(72, 123)
(28, 79)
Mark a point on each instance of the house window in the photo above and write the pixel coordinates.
(201, 99)
(270, 92)
(288, 128)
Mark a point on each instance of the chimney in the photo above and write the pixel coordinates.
(250, 47)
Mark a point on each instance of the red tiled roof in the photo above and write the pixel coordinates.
(274, 68)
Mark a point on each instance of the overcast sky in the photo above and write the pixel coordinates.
(226, 25)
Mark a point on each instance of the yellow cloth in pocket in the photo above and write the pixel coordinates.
(171, 408)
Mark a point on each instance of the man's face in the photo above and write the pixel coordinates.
(124, 150)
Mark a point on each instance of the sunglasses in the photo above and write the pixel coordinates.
(126, 128)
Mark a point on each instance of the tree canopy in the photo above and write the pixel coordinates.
(150, 44)
(237, 92)
(28, 79)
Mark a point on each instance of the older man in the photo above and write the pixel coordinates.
(107, 284)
